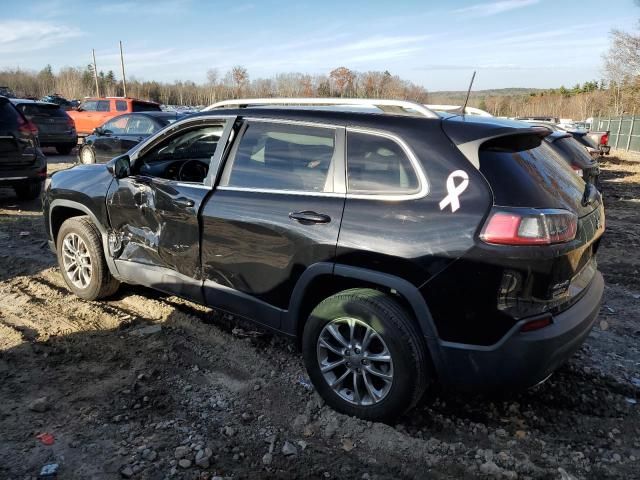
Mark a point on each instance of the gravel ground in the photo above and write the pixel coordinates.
(149, 386)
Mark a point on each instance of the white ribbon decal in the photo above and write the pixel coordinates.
(454, 191)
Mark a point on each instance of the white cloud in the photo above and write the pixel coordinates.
(495, 8)
(28, 35)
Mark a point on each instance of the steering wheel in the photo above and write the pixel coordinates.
(193, 171)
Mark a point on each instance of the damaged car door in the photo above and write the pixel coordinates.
(155, 233)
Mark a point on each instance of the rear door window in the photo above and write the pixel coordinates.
(121, 105)
(378, 165)
(140, 125)
(145, 107)
(103, 106)
(274, 156)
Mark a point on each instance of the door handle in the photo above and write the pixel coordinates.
(184, 202)
(308, 217)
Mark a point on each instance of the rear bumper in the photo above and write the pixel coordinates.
(36, 172)
(52, 140)
(522, 359)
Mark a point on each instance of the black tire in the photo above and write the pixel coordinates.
(64, 149)
(28, 190)
(412, 371)
(102, 284)
(86, 155)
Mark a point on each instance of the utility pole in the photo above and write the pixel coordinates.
(95, 72)
(124, 79)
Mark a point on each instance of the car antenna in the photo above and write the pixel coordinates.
(464, 107)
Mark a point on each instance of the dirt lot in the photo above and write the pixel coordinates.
(148, 386)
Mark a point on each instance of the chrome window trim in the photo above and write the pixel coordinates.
(417, 167)
(283, 192)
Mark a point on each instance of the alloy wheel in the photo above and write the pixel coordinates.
(355, 361)
(76, 260)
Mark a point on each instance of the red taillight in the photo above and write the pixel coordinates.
(536, 324)
(529, 227)
(604, 139)
(26, 127)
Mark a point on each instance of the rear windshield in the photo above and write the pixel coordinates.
(145, 107)
(523, 171)
(8, 115)
(585, 140)
(574, 150)
(35, 110)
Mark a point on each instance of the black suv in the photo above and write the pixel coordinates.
(22, 164)
(399, 247)
(55, 127)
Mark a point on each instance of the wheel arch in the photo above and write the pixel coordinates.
(324, 279)
(62, 209)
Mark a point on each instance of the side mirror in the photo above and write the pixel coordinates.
(120, 167)
(98, 131)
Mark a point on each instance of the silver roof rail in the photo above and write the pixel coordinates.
(387, 106)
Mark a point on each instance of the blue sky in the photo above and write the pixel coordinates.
(512, 43)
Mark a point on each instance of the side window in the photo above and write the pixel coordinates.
(121, 105)
(89, 106)
(140, 125)
(282, 157)
(184, 156)
(378, 165)
(103, 106)
(117, 125)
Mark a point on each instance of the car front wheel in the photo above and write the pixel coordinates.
(81, 260)
(365, 355)
(87, 156)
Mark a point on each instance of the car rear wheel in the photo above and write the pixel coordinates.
(28, 190)
(64, 149)
(87, 156)
(365, 355)
(81, 260)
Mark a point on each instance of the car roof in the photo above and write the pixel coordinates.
(17, 101)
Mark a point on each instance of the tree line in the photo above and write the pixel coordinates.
(77, 83)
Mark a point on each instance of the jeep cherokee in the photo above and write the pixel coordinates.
(400, 248)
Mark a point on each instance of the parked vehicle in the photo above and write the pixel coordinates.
(55, 127)
(23, 167)
(121, 134)
(601, 140)
(93, 112)
(400, 250)
(576, 156)
(60, 100)
(591, 142)
(7, 92)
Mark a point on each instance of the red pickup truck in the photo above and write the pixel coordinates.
(93, 112)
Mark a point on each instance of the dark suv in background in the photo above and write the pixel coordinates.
(22, 164)
(400, 248)
(55, 127)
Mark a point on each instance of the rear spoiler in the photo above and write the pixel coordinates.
(469, 134)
